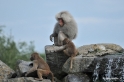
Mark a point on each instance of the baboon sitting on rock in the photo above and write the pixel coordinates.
(65, 27)
(40, 66)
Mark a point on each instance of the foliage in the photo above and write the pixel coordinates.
(10, 51)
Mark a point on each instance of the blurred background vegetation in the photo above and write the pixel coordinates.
(10, 51)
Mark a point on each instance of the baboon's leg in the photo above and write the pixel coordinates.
(41, 73)
(76, 53)
(61, 37)
(66, 52)
(35, 65)
(71, 62)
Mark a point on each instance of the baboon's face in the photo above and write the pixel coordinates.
(32, 57)
(60, 21)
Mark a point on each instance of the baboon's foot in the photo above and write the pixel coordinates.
(70, 68)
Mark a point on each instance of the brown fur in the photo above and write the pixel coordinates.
(70, 49)
(41, 66)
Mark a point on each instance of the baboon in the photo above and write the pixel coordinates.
(41, 66)
(65, 27)
(70, 49)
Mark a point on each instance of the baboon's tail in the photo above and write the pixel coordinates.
(52, 76)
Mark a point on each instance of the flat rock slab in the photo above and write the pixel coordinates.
(24, 79)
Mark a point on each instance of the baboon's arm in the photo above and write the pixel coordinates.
(35, 65)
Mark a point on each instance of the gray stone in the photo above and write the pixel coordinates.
(55, 60)
(52, 48)
(115, 63)
(76, 78)
(104, 49)
(23, 66)
(24, 79)
(79, 64)
(5, 71)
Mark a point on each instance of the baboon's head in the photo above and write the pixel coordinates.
(65, 41)
(34, 56)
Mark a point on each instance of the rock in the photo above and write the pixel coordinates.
(23, 66)
(24, 79)
(91, 59)
(102, 49)
(76, 78)
(52, 48)
(79, 64)
(55, 60)
(5, 71)
(112, 64)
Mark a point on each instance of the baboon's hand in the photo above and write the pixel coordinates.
(51, 37)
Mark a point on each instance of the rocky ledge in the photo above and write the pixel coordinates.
(104, 61)
(95, 63)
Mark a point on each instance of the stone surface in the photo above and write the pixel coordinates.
(5, 71)
(24, 79)
(55, 60)
(79, 64)
(105, 64)
(76, 78)
(52, 48)
(107, 58)
(104, 49)
(23, 66)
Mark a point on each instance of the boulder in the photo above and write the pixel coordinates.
(24, 79)
(5, 71)
(76, 78)
(23, 66)
(107, 66)
(79, 64)
(55, 60)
